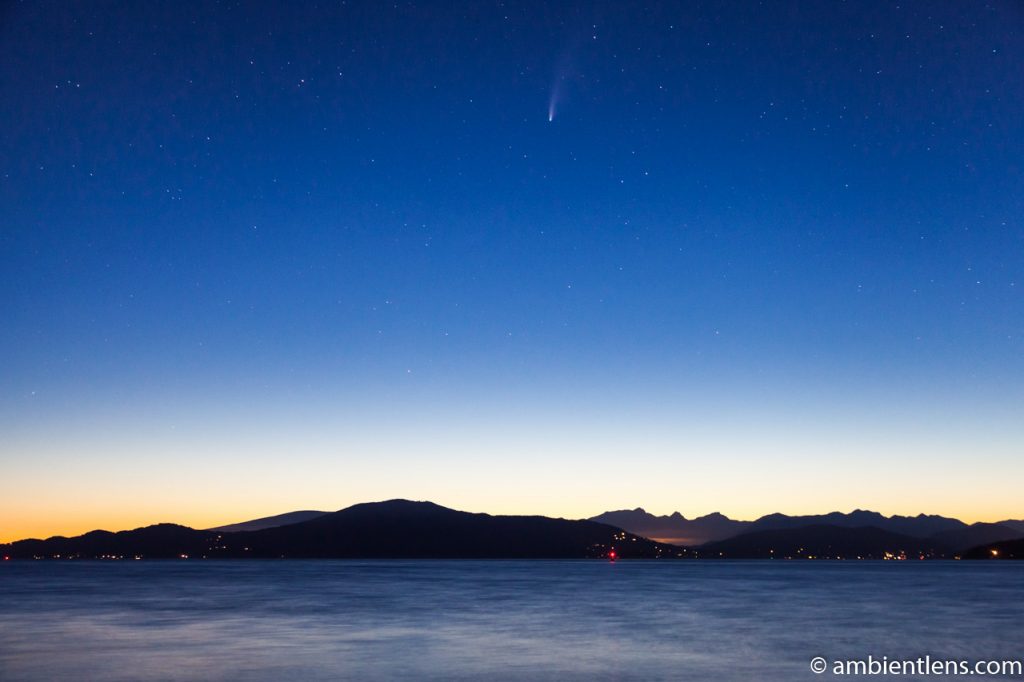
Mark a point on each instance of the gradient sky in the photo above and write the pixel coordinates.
(259, 257)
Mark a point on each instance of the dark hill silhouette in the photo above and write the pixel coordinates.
(404, 529)
(821, 542)
(394, 529)
(270, 521)
(976, 534)
(1007, 549)
(162, 541)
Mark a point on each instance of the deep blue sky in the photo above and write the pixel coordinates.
(338, 252)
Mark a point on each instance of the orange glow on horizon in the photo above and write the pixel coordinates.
(55, 523)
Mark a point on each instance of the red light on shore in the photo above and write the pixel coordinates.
(611, 555)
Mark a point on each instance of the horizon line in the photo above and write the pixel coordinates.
(205, 526)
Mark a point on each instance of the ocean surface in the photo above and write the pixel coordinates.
(495, 620)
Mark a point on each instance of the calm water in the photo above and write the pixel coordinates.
(494, 620)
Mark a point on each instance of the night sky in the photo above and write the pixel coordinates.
(516, 258)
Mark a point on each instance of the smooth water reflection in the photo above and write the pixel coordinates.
(331, 620)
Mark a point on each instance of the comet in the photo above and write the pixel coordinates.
(556, 95)
(564, 73)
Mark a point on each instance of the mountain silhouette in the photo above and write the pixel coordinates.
(822, 542)
(675, 529)
(1016, 525)
(270, 521)
(161, 541)
(959, 539)
(393, 529)
(921, 526)
(405, 529)
(400, 528)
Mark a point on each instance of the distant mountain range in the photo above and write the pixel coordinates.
(393, 529)
(821, 541)
(951, 534)
(1016, 525)
(270, 521)
(675, 529)
(404, 529)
